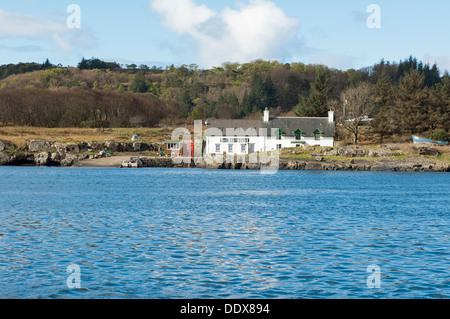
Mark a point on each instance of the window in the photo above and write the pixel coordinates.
(217, 148)
(298, 134)
(173, 147)
(230, 148)
(243, 148)
(280, 133)
(317, 134)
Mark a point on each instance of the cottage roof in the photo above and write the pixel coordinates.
(288, 125)
(306, 124)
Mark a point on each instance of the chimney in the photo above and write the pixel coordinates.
(266, 115)
(331, 116)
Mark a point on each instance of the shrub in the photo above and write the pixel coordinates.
(439, 135)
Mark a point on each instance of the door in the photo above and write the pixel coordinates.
(251, 148)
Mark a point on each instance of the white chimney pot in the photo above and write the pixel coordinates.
(266, 115)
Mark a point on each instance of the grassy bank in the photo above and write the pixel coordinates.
(19, 135)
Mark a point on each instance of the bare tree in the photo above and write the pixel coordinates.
(356, 106)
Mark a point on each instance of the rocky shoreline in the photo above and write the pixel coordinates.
(42, 153)
(312, 165)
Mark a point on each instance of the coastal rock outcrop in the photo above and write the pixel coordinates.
(38, 146)
(69, 160)
(359, 152)
(42, 158)
(110, 145)
(4, 158)
(2, 146)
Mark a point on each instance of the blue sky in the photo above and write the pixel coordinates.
(210, 32)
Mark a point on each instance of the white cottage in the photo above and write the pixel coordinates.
(271, 133)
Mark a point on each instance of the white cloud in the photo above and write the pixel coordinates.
(182, 16)
(21, 25)
(18, 25)
(257, 30)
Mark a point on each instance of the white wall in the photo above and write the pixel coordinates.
(262, 143)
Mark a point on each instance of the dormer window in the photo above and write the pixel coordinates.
(298, 134)
(280, 133)
(317, 134)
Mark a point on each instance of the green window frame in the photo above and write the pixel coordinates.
(298, 134)
(317, 134)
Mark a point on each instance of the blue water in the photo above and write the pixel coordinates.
(192, 233)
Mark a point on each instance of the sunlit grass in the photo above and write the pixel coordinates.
(20, 136)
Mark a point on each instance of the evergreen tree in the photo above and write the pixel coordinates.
(384, 97)
(440, 97)
(139, 84)
(411, 103)
(316, 105)
(269, 98)
(262, 94)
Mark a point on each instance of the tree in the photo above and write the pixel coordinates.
(357, 104)
(440, 100)
(139, 84)
(262, 94)
(410, 113)
(316, 104)
(384, 98)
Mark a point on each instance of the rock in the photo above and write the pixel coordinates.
(313, 166)
(60, 148)
(38, 146)
(4, 159)
(380, 153)
(2, 146)
(292, 165)
(69, 160)
(378, 168)
(42, 158)
(331, 153)
(390, 147)
(424, 150)
(72, 148)
(111, 146)
(55, 157)
(319, 158)
(137, 147)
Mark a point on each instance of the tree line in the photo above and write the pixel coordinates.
(404, 97)
(78, 107)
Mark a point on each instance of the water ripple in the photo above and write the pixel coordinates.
(178, 233)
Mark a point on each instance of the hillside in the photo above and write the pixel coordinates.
(405, 97)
